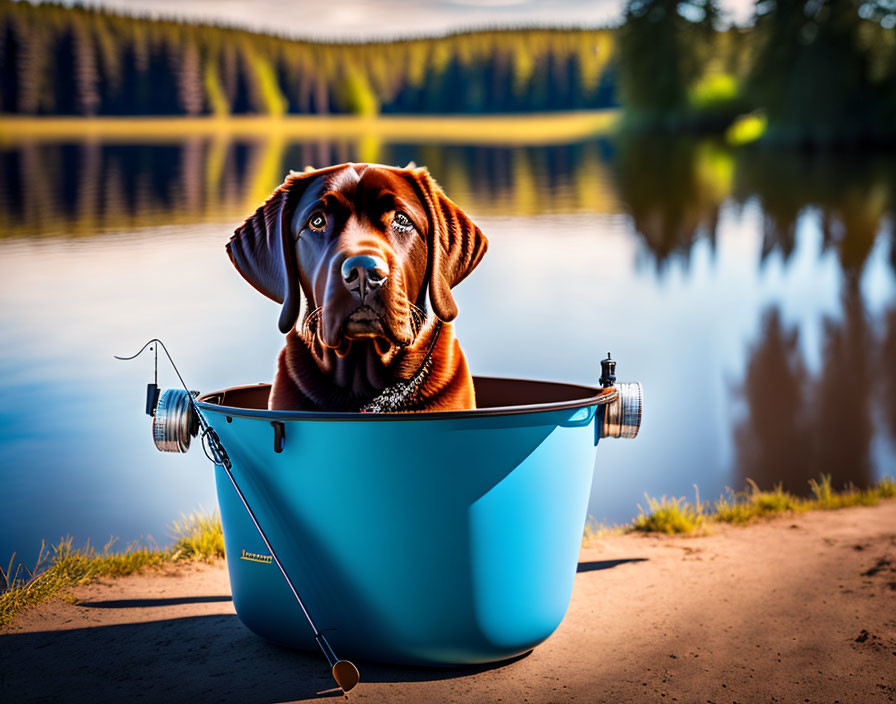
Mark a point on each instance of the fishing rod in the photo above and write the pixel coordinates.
(344, 671)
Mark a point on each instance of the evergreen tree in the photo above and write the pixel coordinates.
(87, 99)
(660, 46)
(811, 74)
(190, 91)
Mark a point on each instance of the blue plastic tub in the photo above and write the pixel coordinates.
(429, 539)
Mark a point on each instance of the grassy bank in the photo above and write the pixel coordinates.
(529, 128)
(62, 567)
(199, 537)
(677, 515)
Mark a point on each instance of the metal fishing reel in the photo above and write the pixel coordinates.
(174, 421)
(622, 417)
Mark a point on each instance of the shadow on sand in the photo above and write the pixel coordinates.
(144, 603)
(191, 659)
(606, 564)
(175, 660)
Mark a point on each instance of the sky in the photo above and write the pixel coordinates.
(384, 19)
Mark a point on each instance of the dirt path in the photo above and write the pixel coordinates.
(800, 609)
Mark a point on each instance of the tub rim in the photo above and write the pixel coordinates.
(598, 396)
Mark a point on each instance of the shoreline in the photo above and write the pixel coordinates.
(200, 537)
(795, 607)
(524, 128)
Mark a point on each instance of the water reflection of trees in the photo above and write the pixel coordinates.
(672, 189)
(886, 366)
(797, 425)
(82, 188)
(772, 443)
(844, 393)
(853, 194)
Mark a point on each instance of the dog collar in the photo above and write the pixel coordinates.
(398, 396)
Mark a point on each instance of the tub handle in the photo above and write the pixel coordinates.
(279, 435)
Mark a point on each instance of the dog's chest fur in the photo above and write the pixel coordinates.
(431, 374)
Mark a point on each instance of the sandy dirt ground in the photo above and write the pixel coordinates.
(799, 609)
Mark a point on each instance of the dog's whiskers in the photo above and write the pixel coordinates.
(416, 319)
(309, 327)
(309, 322)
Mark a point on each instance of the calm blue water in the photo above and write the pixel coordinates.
(742, 316)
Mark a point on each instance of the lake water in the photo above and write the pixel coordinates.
(752, 293)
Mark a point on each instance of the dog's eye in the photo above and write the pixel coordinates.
(317, 221)
(402, 222)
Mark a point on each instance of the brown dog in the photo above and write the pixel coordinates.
(359, 246)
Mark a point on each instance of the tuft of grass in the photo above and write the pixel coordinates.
(199, 536)
(886, 488)
(826, 498)
(595, 530)
(678, 516)
(743, 507)
(62, 567)
(669, 515)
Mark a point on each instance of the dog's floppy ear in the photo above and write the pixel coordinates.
(262, 248)
(454, 244)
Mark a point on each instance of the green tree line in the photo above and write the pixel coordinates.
(56, 60)
(821, 72)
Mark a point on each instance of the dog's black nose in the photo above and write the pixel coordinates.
(363, 274)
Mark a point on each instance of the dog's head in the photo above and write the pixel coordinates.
(364, 244)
